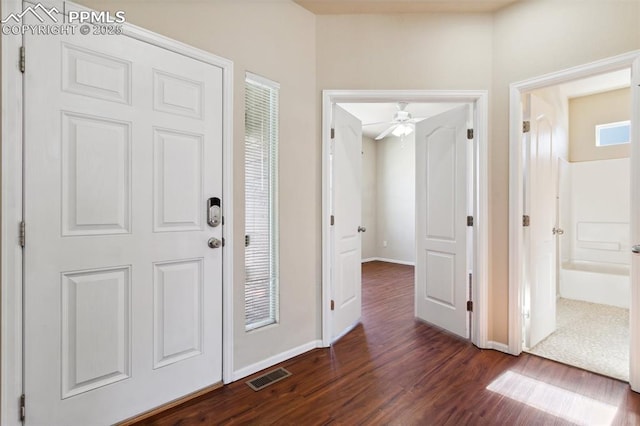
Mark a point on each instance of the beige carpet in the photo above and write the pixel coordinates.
(590, 336)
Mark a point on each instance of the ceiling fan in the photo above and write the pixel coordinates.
(401, 125)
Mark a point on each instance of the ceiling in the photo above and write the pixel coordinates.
(597, 84)
(343, 7)
(383, 112)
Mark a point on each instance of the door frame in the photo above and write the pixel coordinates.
(480, 99)
(11, 206)
(630, 60)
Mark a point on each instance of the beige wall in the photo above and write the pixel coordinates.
(396, 204)
(404, 51)
(369, 197)
(588, 111)
(275, 39)
(476, 51)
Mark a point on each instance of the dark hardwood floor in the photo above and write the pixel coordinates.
(392, 369)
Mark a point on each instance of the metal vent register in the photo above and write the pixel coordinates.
(267, 379)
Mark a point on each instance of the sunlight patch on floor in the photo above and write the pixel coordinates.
(551, 399)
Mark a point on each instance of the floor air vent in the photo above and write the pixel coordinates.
(267, 379)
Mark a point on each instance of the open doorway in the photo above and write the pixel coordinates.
(388, 178)
(523, 302)
(399, 250)
(576, 244)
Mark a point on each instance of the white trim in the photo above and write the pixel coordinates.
(11, 195)
(384, 259)
(634, 312)
(479, 98)
(260, 80)
(497, 346)
(227, 229)
(516, 91)
(276, 359)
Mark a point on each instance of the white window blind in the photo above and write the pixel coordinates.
(261, 220)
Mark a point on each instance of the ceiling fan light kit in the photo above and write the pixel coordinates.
(402, 123)
(402, 130)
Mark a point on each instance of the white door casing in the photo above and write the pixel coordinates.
(123, 146)
(347, 250)
(441, 221)
(634, 312)
(541, 193)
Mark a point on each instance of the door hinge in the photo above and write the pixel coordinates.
(22, 59)
(469, 220)
(333, 133)
(333, 220)
(333, 305)
(469, 133)
(23, 234)
(526, 220)
(23, 409)
(247, 240)
(526, 126)
(469, 306)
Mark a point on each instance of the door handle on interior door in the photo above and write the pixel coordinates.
(636, 249)
(558, 231)
(362, 229)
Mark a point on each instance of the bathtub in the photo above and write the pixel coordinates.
(605, 283)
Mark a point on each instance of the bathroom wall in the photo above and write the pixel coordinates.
(585, 113)
(600, 211)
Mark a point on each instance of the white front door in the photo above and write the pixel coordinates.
(346, 183)
(542, 189)
(123, 306)
(441, 221)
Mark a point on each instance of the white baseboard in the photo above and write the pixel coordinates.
(276, 359)
(382, 259)
(497, 346)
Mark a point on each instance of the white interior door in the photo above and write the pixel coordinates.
(542, 193)
(123, 144)
(441, 221)
(346, 183)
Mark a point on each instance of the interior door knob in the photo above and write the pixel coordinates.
(558, 231)
(636, 249)
(362, 229)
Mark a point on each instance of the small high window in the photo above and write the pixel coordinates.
(613, 133)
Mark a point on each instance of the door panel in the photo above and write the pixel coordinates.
(347, 250)
(123, 144)
(542, 183)
(441, 221)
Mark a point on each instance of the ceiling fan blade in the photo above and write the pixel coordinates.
(386, 132)
(416, 119)
(379, 122)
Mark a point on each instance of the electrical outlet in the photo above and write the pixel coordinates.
(384, 243)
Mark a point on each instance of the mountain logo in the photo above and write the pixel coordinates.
(38, 10)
